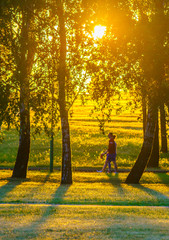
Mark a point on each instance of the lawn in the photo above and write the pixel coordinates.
(95, 206)
(83, 222)
(87, 142)
(87, 188)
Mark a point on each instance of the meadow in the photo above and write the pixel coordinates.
(96, 205)
(87, 142)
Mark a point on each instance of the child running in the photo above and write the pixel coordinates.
(111, 154)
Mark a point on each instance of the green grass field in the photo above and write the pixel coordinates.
(87, 188)
(86, 142)
(97, 205)
(84, 222)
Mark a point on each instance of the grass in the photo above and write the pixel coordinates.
(87, 188)
(84, 222)
(95, 206)
(86, 147)
(86, 142)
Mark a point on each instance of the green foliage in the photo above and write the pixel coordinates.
(133, 53)
(1, 136)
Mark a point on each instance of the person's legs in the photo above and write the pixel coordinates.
(115, 166)
(108, 160)
(109, 165)
(105, 165)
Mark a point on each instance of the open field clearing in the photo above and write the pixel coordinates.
(96, 205)
(86, 142)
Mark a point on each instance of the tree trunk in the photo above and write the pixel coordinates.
(25, 64)
(154, 156)
(142, 160)
(20, 168)
(66, 150)
(164, 148)
(144, 109)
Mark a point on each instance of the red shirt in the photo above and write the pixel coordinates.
(112, 146)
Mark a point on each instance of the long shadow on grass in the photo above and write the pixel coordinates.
(39, 178)
(160, 199)
(164, 178)
(45, 213)
(8, 187)
(115, 181)
(58, 196)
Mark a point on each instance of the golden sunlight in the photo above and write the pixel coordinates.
(99, 31)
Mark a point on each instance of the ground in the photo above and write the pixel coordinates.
(95, 206)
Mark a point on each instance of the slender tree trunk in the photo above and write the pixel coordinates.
(144, 110)
(20, 168)
(154, 156)
(24, 70)
(159, 70)
(164, 148)
(142, 160)
(66, 150)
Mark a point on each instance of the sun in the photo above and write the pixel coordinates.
(99, 31)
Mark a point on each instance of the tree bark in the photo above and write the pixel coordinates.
(164, 147)
(144, 110)
(142, 160)
(27, 51)
(66, 177)
(154, 156)
(20, 168)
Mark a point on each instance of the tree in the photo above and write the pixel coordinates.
(164, 148)
(142, 160)
(107, 59)
(155, 72)
(70, 79)
(24, 67)
(146, 50)
(8, 95)
(154, 155)
(4, 99)
(66, 151)
(69, 72)
(18, 40)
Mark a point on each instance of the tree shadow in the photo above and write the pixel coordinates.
(164, 178)
(115, 181)
(9, 186)
(45, 212)
(159, 197)
(43, 179)
(60, 193)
